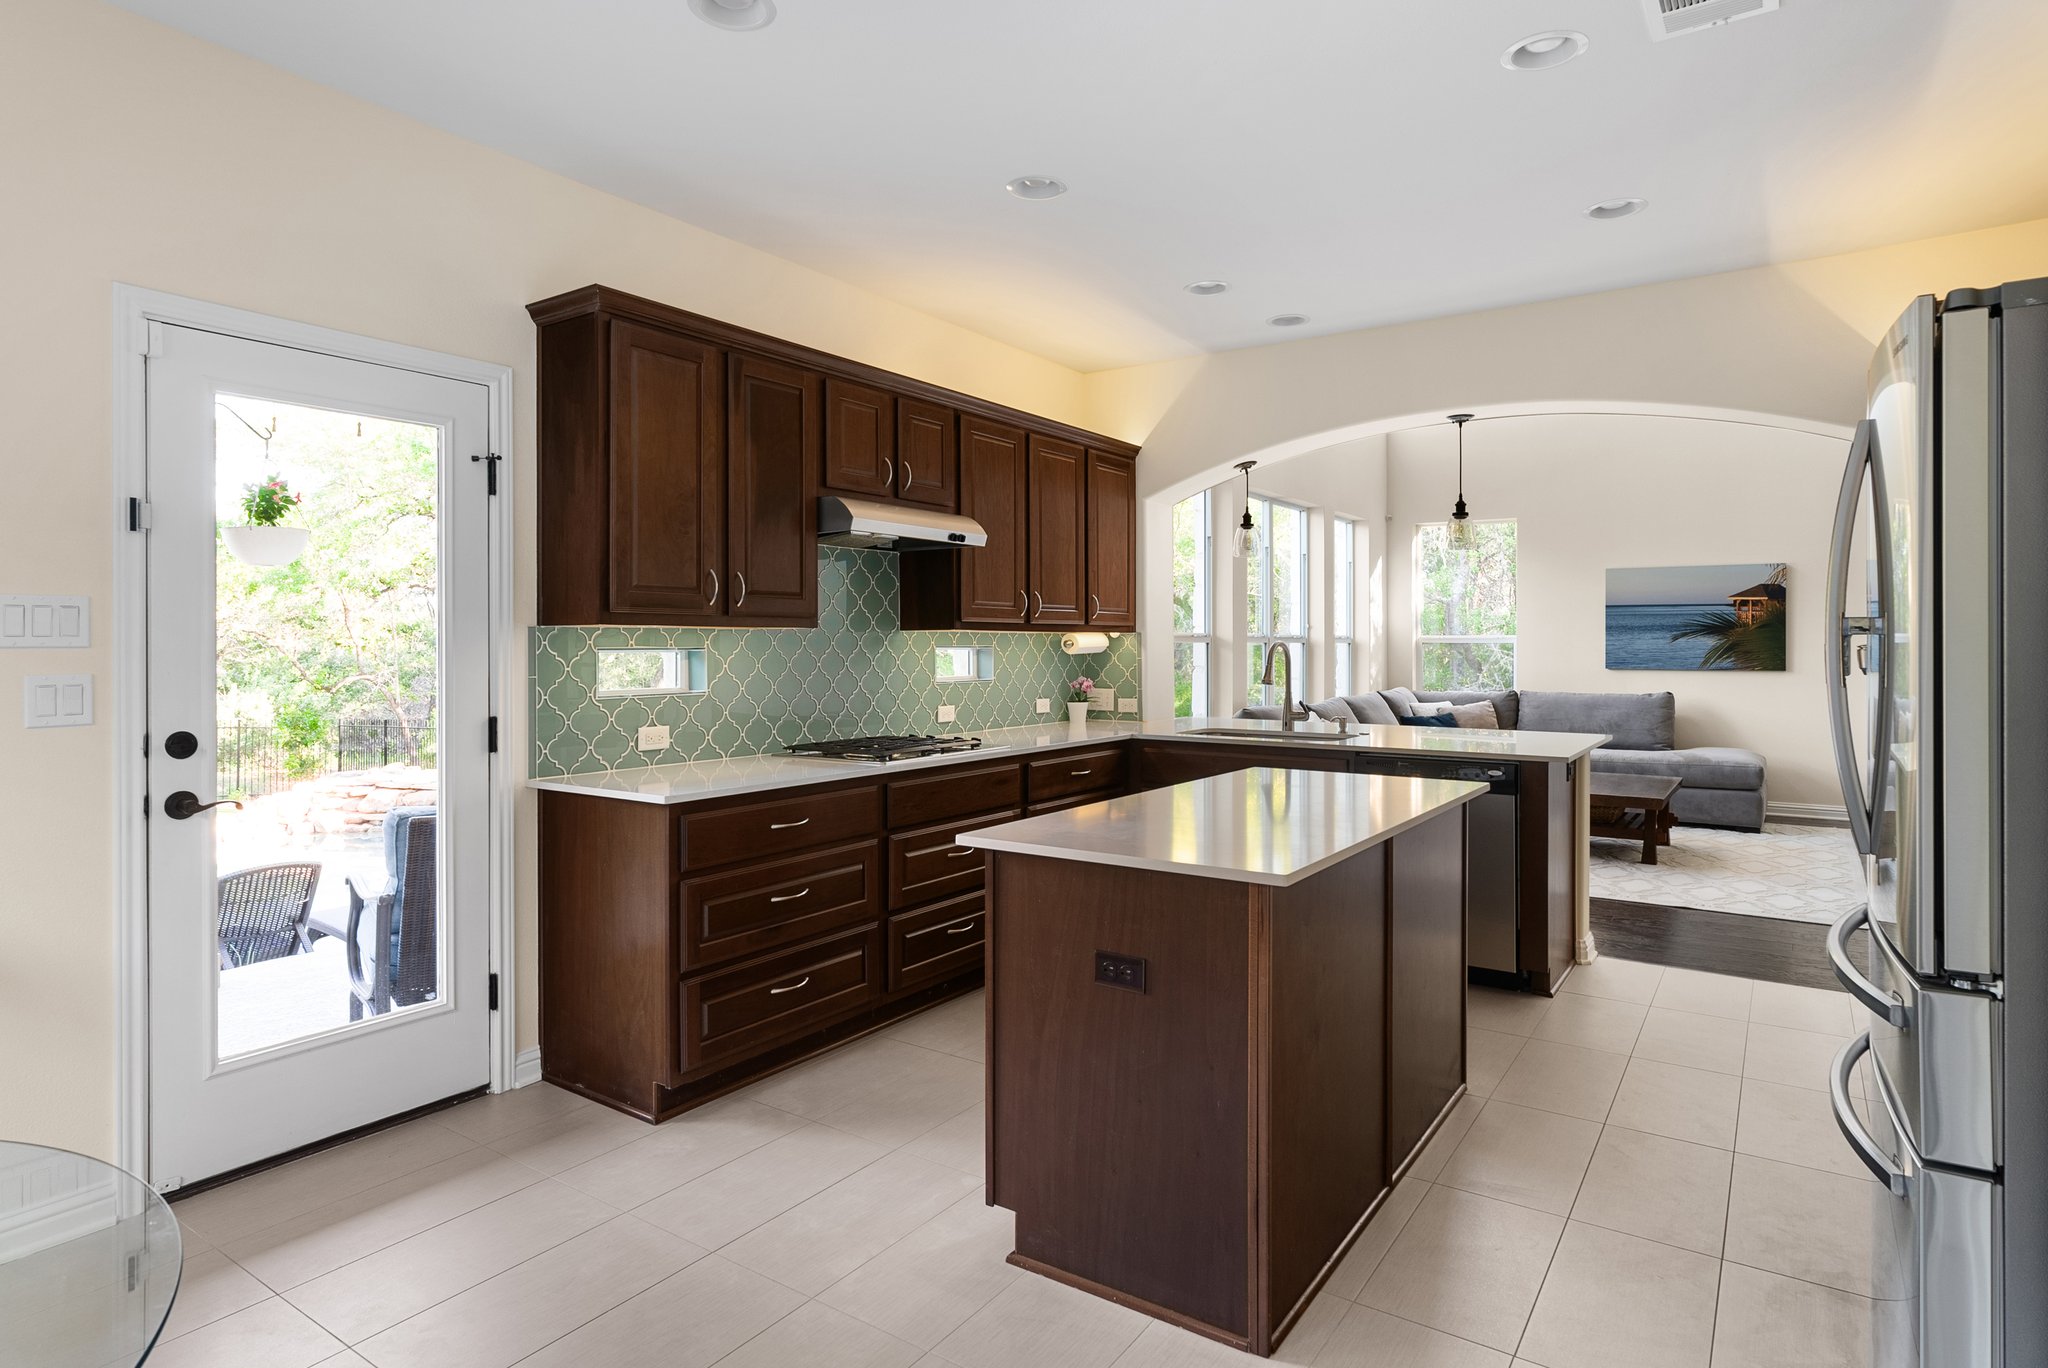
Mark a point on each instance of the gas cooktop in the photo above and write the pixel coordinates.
(880, 750)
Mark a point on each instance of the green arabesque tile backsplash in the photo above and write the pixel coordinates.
(854, 674)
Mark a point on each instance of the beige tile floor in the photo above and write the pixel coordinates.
(1645, 1175)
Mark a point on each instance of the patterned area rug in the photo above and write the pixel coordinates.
(1793, 873)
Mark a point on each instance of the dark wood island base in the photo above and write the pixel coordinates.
(1203, 1139)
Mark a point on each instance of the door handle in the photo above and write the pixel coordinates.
(908, 477)
(1037, 603)
(739, 578)
(888, 472)
(185, 803)
(1023, 606)
(714, 588)
(1862, 794)
(1874, 1158)
(792, 987)
(1886, 1005)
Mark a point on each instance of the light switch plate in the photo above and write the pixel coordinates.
(45, 621)
(653, 738)
(56, 701)
(947, 712)
(1101, 701)
(1044, 706)
(1126, 703)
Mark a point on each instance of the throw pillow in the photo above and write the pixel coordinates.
(1434, 720)
(1372, 709)
(1433, 709)
(1401, 700)
(1333, 710)
(1479, 715)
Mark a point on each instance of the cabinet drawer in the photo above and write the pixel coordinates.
(763, 906)
(748, 1008)
(937, 942)
(926, 864)
(779, 827)
(960, 792)
(1072, 773)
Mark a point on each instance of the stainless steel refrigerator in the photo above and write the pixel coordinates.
(1939, 701)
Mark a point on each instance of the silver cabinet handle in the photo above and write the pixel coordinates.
(1037, 603)
(888, 472)
(739, 578)
(714, 588)
(790, 897)
(1078, 773)
(1874, 1159)
(1094, 606)
(908, 478)
(1886, 1005)
(1023, 605)
(785, 826)
(792, 987)
(962, 929)
(958, 852)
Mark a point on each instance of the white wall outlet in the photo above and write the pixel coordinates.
(947, 712)
(653, 738)
(1126, 703)
(56, 701)
(39, 620)
(1102, 700)
(1044, 706)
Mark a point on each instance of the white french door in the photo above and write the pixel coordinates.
(318, 773)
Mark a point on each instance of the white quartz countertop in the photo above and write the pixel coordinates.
(1260, 826)
(701, 779)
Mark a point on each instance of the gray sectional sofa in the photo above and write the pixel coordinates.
(1718, 785)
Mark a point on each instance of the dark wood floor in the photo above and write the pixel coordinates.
(1718, 942)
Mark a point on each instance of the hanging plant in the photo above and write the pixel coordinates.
(265, 540)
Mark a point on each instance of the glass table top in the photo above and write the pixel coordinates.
(89, 1261)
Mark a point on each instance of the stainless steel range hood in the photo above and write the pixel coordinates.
(892, 527)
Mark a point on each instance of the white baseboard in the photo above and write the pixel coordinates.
(526, 1068)
(1809, 812)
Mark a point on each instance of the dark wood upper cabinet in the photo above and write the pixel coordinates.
(860, 440)
(773, 448)
(667, 469)
(992, 492)
(1057, 520)
(1112, 541)
(927, 454)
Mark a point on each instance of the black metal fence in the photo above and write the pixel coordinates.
(253, 761)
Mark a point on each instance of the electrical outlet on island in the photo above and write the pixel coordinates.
(653, 738)
(947, 712)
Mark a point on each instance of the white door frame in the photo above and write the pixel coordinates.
(135, 309)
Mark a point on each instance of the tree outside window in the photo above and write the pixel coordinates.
(1276, 593)
(1465, 609)
(1192, 597)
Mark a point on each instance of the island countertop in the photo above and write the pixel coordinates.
(694, 781)
(1261, 826)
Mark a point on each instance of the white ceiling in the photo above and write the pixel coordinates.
(1360, 161)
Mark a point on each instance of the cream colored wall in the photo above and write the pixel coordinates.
(1790, 342)
(137, 155)
(1591, 494)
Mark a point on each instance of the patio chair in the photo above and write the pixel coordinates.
(393, 937)
(263, 912)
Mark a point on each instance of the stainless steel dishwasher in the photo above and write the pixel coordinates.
(1492, 859)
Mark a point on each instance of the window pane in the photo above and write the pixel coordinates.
(1191, 565)
(1344, 571)
(1255, 662)
(1190, 678)
(1257, 572)
(1289, 550)
(1470, 593)
(1477, 665)
(1341, 659)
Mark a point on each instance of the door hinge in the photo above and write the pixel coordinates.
(490, 470)
(494, 992)
(493, 737)
(138, 516)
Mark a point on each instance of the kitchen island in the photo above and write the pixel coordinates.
(1223, 1017)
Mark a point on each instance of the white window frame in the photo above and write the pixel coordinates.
(1344, 535)
(1416, 578)
(1260, 638)
(1203, 601)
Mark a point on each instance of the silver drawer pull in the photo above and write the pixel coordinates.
(962, 929)
(1078, 773)
(960, 852)
(1875, 1159)
(785, 826)
(791, 897)
(792, 987)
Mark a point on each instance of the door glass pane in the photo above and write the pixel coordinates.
(326, 577)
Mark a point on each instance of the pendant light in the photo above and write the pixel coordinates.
(1246, 543)
(1462, 537)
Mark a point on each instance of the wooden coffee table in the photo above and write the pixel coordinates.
(1634, 807)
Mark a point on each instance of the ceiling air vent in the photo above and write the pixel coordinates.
(1670, 18)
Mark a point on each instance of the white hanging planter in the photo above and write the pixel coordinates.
(266, 545)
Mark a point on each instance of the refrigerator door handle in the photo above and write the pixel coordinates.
(1875, 1159)
(1861, 794)
(1884, 1004)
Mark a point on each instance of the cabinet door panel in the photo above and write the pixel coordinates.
(1112, 541)
(927, 454)
(992, 492)
(860, 440)
(774, 439)
(1057, 517)
(667, 468)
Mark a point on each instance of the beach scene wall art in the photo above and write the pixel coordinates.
(1697, 617)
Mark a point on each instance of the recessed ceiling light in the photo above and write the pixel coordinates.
(1617, 208)
(1541, 51)
(1207, 287)
(1037, 187)
(736, 15)
(1288, 320)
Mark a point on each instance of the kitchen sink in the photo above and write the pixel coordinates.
(1250, 734)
